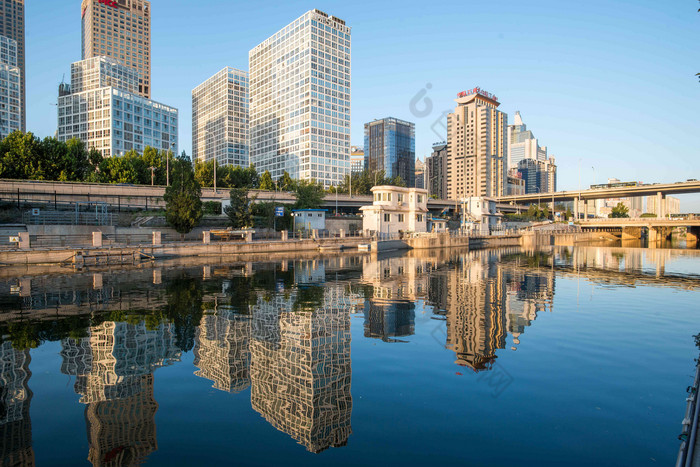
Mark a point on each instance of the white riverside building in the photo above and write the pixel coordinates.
(300, 100)
(220, 119)
(102, 108)
(10, 88)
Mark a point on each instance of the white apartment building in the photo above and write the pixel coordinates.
(220, 119)
(522, 144)
(10, 88)
(300, 100)
(480, 213)
(396, 209)
(102, 109)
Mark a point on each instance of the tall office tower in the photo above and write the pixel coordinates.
(102, 109)
(10, 88)
(120, 29)
(436, 171)
(220, 119)
(12, 26)
(300, 100)
(539, 176)
(390, 145)
(476, 147)
(522, 144)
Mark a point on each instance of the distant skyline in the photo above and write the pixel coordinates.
(608, 86)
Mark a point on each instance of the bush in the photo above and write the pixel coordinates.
(211, 207)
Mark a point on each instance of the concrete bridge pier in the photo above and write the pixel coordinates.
(631, 233)
(692, 234)
(657, 234)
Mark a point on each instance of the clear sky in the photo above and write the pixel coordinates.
(607, 85)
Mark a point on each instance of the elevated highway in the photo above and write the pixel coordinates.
(656, 228)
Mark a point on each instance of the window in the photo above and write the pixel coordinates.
(400, 198)
(387, 217)
(419, 217)
(420, 198)
(401, 218)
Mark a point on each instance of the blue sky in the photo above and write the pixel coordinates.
(608, 85)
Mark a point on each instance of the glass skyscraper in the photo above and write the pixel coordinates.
(300, 100)
(390, 145)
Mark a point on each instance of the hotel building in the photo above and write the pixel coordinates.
(102, 108)
(300, 100)
(12, 27)
(220, 119)
(120, 29)
(11, 103)
(476, 147)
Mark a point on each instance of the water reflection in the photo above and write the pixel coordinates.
(280, 330)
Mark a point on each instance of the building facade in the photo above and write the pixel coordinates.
(11, 104)
(476, 147)
(436, 171)
(300, 100)
(539, 176)
(12, 27)
(220, 119)
(390, 145)
(102, 110)
(394, 210)
(120, 29)
(420, 174)
(357, 159)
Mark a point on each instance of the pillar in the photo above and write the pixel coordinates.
(206, 272)
(692, 234)
(97, 239)
(576, 209)
(249, 237)
(157, 276)
(157, 238)
(631, 233)
(285, 235)
(206, 237)
(660, 205)
(585, 209)
(314, 233)
(24, 243)
(342, 233)
(97, 281)
(25, 287)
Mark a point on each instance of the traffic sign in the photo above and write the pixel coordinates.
(279, 211)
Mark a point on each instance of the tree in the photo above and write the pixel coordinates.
(266, 182)
(620, 211)
(240, 212)
(309, 195)
(183, 204)
(285, 182)
(569, 214)
(244, 178)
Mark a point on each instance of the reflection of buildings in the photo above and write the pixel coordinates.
(221, 352)
(300, 369)
(15, 397)
(123, 431)
(396, 285)
(113, 368)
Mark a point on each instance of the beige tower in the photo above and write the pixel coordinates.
(120, 29)
(476, 147)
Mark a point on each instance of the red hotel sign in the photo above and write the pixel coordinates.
(477, 91)
(111, 3)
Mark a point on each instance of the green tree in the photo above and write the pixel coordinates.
(183, 197)
(240, 212)
(569, 214)
(620, 211)
(21, 157)
(286, 183)
(266, 182)
(309, 195)
(204, 173)
(244, 178)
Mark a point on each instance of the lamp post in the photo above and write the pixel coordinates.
(152, 174)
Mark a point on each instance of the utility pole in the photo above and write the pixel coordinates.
(152, 174)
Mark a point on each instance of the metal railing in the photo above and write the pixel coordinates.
(67, 218)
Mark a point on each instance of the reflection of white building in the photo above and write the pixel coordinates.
(15, 399)
(396, 209)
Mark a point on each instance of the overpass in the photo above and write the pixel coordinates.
(661, 190)
(657, 228)
(127, 196)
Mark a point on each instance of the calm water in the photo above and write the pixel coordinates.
(504, 357)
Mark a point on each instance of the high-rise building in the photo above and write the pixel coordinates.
(12, 26)
(220, 119)
(436, 171)
(102, 109)
(300, 100)
(420, 174)
(390, 145)
(120, 29)
(522, 144)
(10, 88)
(357, 159)
(539, 176)
(476, 147)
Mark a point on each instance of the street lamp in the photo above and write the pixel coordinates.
(152, 174)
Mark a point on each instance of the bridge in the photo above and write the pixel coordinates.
(661, 190)
(657, 228)
(127, 196)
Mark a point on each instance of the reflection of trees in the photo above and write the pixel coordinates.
(184, 309)
(308, 298)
